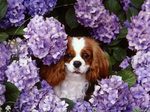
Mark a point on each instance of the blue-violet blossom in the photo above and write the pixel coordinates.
(46, 39)
(40, 100)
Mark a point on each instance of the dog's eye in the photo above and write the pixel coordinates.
(69, 56)
(85, 55)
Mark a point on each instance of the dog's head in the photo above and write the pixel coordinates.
(83, 57)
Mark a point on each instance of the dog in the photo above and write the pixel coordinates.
(84, 63)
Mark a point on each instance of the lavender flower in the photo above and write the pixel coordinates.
(46, 39)
(14, 15)
(138, 32)
(107, 30)
(40, 100)
(5, 56)
(125, 63)
(125, 4)
(141, 65)
(141, 99)
(146, 6)
(89, 13)
(19, 48)
(23, 73)
(94, 15)
(2, 96)
(39, 7)
(111, 95)
(82, 106)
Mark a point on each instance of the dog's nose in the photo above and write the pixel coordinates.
(77, 64)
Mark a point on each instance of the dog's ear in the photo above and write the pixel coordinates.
(100, 65)
(54, 73)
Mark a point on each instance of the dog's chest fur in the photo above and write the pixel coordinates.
(73, 87)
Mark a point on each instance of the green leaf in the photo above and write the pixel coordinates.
(113, 6)
(137, 3)
(123, 33)
(71, 18)
(3, 36)
(137, 110)
(70, 103)
(122, 16)
(119, 53)
(131, 12)
(15, 31)
(128, 76)
(3, 8)
(115, 42)
(12, 92)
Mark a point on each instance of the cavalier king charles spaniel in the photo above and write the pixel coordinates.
(83, 63)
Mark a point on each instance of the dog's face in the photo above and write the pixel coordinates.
(79, 56)
(83, 57)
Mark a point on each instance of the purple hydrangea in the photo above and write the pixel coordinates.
(2, 96)
(40, 100)
(125, 4)
(46, 39)
(92, 13)
(125, 63)
(141, 99)
(39, 7)
(107, 30)
(141, 65)
(146, 6)
(23, 73)
(14, 15)
(19, 48)
(138, 32)
(82, 106)
(111, 95)
(89, 13)
(5, 56)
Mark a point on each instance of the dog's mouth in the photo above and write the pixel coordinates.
(77, 71)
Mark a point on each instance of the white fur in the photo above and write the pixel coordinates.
(73, 87)
(75, 84)
(78, 45)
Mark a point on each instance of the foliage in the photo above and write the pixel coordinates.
(65, 11)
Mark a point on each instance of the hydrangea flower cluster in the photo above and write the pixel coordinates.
(141, 64)
(5, 55)
(107, 30)
(14, 15)
(89, 12)
(46, 39)
(82, 106)
(138, 32)
(104, 26)
(40, 100)
(39, 7)
(111, 95)
(125, 4)
(17, 9)
(2, 91)
(140, 98)
(23, 73)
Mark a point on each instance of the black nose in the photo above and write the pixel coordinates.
(77, 64)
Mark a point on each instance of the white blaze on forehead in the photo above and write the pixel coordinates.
(78, 44)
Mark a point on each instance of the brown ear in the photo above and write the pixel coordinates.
(53, 74)
(100, 65)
